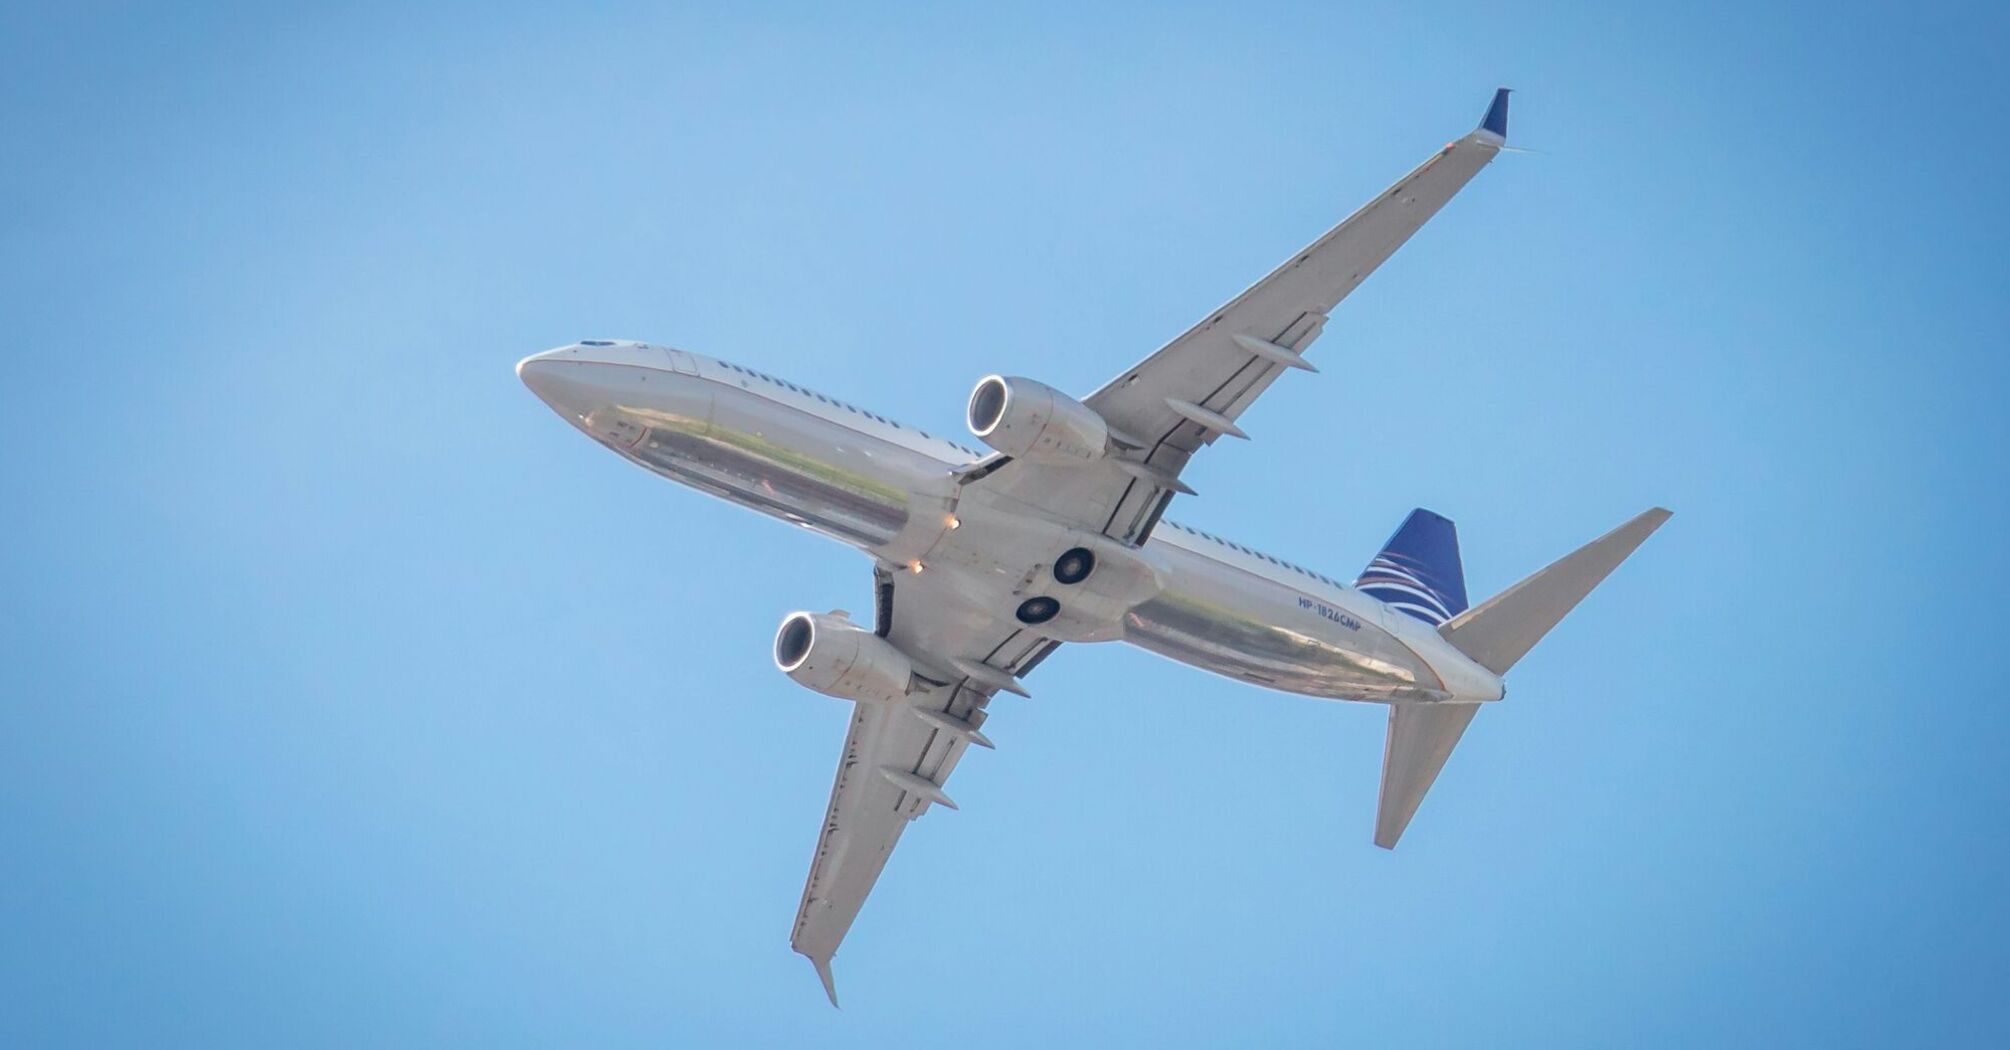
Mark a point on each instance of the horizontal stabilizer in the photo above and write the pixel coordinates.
(1505, 627)
(1421, 737)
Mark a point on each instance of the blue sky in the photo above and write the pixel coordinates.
(348, 697)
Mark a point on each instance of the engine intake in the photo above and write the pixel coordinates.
(837, 657)
(1035, 422)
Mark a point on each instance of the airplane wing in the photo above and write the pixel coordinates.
(1192, 390)
(897, 756)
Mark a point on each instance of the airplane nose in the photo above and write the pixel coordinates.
(550, 375)
(591, 386)
(536, 372)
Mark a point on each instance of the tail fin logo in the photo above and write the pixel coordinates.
(1419, 572)
(1387, 581)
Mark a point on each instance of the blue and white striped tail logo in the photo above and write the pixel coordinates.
(1399, 586)
(1418, 571)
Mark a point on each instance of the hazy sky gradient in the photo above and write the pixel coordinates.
(350, 698)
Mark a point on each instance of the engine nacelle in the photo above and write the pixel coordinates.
(1035, 422)
(837, 657)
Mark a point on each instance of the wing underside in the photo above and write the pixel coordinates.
(1194, 389)
(898, 757)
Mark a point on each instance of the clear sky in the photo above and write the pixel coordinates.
(349, 698)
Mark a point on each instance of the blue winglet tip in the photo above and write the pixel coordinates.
(1497, 114)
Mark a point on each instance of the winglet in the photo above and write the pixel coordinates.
(824, 974)
(1496, 119)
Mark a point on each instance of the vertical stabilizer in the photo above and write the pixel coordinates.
(1418, 570)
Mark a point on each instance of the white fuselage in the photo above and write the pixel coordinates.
(899, 495)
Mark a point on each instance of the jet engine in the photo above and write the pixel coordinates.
(836, 657)
(1035, 422)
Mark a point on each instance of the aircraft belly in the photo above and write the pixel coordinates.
(1220, 618)
(792, 465)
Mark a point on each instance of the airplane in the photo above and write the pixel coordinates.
(984, 563)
